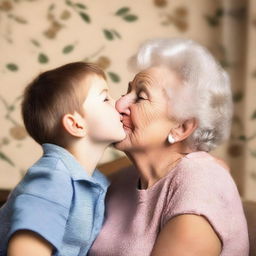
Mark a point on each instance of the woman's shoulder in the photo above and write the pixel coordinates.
(203, 183)
(203, 165)
(201, 175)
(204, 186)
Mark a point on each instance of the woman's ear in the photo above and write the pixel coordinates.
(74, 124)
(184, 130)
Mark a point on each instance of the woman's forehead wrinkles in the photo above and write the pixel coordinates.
(143, 79)
(142, 84)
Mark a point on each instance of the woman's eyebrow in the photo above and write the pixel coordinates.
(129, 86)
(142, 86)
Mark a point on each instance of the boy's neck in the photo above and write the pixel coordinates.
(87, 154)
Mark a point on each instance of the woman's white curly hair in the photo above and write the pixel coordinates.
(206, 93)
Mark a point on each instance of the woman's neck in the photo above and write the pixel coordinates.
(87, 154)
(154, 164)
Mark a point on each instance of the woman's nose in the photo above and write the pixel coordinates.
(123, 105)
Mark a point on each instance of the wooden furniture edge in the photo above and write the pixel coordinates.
(115, 165)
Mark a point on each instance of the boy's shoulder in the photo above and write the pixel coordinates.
(48, 178)
(49, 163)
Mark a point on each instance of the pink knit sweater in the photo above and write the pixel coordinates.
(197, 185)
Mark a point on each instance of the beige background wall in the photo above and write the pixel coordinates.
(36, 35)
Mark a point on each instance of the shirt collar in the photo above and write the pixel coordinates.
(76, 170)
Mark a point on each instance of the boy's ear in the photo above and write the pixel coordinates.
(185, 129)
(74, 124)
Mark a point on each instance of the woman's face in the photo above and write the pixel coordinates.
(144, 108)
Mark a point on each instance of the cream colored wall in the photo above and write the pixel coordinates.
(250, 155)
(24, 20)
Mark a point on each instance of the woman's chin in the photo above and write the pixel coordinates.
(121, 145)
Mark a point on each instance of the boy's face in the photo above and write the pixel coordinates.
(103, 123)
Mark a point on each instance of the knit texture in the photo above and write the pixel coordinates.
(197, 185)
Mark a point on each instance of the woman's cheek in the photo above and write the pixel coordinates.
(141, 116)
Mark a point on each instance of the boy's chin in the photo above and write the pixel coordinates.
(120, 138)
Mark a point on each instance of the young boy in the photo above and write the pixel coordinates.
(58, 207)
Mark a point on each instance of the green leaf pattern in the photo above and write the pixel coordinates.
(126, 15)
(67, 49)
(43, 58)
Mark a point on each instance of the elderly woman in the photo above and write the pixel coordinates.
(177, 200)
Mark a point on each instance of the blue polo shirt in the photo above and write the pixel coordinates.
(58, 200)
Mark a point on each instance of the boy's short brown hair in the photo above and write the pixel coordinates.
(50, 96)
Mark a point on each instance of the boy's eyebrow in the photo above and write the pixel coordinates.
(104, 90)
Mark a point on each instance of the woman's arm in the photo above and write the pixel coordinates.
(28, 243)
(187, 235)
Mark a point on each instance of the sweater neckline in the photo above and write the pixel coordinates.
(171, 172)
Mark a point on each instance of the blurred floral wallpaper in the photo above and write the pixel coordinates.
(36, 35)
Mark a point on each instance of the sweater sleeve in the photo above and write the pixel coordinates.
(207, 189)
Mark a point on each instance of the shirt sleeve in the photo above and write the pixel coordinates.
(206, 189)
(43, 206)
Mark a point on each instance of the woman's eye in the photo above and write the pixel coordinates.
(106, 99)
(141, 96)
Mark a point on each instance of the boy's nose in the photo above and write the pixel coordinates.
(112, 101)
(123, 105)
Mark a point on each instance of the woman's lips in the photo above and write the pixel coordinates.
(127, 123)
